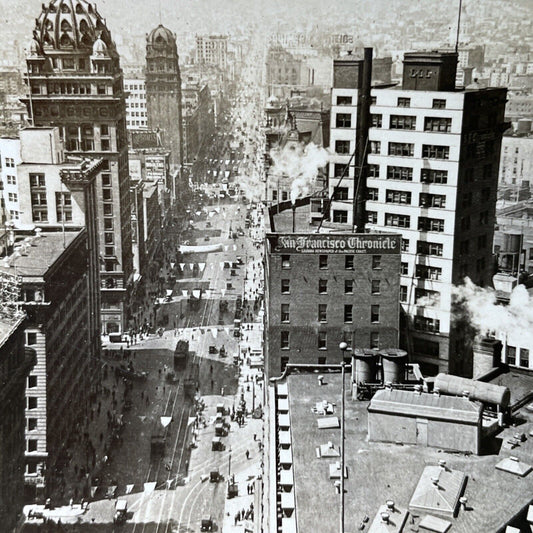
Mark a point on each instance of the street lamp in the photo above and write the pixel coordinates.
(343, 347)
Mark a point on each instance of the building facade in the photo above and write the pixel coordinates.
(76, 84)
(516, 164)
(9, 159)
(15, 364)
(432, 171)
(136, 113)
(163, 91)
(324, 289)
(212, 50)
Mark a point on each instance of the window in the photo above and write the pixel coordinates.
(340, 170)
(511, 355)
(403, 293)
(372, 217)
(322, 344)
(481, 242)
(432, 151)
(431, 325)
(428, 272)
(104, 130)
(11, 180)
(374, 339)
(343, 120)
(348, 262)
(373, 100)
(100, 89)
(376, 120)
(38, 198)
(285, 313)
(32, 402)
(374, 313)
(432, 200)
(342, 147)
(398, 197)
(404, 102)
(402, 122)
(439, 103)
(375, 147)
(322, 312)
(106, 180)
(12, 196)
(348, 313)
(107, 194)
(467, 199)
(284, 340)
(405, 245)
(106, 145)
(524, 357)
(400, 173)
(109, 251)
(373, 171)
(376, 286)
(348, 286)
(439, 124)
(426, 297)
(376, 262)
(32, 424)
(322, 261)
(402, 149)
(372, 194)
(484, 217)
(31, 445)
(340, 193)
(344, 100)
(464, 246)
(285, 261)
(430, 224)
(340, 216)
(433, 176)
(108, 210)
(429, 248)
(284, 361)
(480, 264)
(485, 194)
(322, 286)
(404, 268)
(425, 347)
(285, 286)
(32, 382)
(400, 221)
(63, 206)
(108, 223)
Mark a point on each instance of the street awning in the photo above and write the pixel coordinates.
(283, 405)
(284, 437)
(287, 500)
(286, 478)
(285, 457)
(284, 421)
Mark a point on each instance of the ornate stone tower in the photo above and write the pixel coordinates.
(75, 82)
(163, 90)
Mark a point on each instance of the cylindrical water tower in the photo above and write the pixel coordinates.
(393, 365)
(365, 365)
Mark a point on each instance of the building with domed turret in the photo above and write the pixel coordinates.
(76, 83)
(163, 91)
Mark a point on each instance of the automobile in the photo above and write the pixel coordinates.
(240, 233)
(206, 523)
(121, 512)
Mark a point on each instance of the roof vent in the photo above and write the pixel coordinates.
(418, 389)
(330, 445)
(390, 505)
(388, 385)
(320, 380)
(435, 480)
(442, 464)
(463, 500)
(436, 391)
(513, 458)
(466, 393)
(385, 517)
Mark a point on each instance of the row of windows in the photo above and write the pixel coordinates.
(323, 262)
(408, 122)
(437, 103)
(399, 149)
(511, 356)
(427, 175)
(323, 311)
(404, 198)
(322, 343)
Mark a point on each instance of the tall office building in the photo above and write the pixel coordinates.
(75, 83)
(213, 50)
(163, 91)
(429, 170)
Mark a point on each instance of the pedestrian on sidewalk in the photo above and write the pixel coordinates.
(247, 454)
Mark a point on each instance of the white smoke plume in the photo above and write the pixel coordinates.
(486, 315)
(300, 164)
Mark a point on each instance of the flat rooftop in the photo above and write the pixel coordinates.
(379, 471)
(37, 257)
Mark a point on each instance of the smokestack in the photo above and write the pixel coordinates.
(361, 143)
(293, 218)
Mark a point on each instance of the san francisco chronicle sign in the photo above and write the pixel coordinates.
(361, 243)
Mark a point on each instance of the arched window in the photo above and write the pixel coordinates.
(65, 26)
(65, 8)
(79, 9)
(84, 27)
(65, 40)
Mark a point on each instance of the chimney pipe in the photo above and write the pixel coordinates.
(293, 218)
